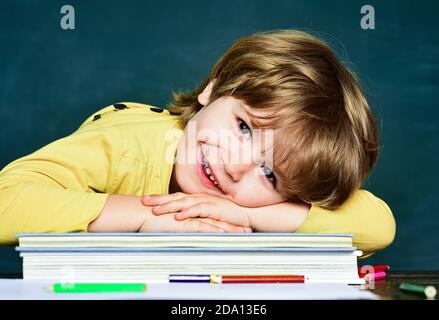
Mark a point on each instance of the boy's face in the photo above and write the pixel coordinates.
(238, 156)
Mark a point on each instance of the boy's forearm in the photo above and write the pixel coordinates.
(281, 217)
(121, 213)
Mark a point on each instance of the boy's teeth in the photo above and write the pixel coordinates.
(209, 173)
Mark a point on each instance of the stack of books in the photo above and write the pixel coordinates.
(152, 257)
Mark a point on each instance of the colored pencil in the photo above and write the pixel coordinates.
(381, 267)
(257, 279)
(375, 276)
(427, 291)
(96, 287)
(189, 278)
(377, 268)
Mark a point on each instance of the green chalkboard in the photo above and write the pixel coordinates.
(52, 79)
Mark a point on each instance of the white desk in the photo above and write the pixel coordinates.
(18, 289)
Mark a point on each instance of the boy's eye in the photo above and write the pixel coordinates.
(245, 129)
(269, 174)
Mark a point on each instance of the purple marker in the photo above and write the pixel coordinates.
(189, 278)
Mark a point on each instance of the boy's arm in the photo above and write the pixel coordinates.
(61, 187)
(121, 213)
(366, 216)
(282, 217)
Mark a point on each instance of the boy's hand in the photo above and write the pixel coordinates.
(199, 205)
(126, 213)
(167, 223)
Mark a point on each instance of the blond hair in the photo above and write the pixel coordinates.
(326, 138)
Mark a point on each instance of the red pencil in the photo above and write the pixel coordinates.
(257, 279)
(377, 268)
(381, 268)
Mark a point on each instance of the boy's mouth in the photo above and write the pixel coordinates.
(208, 174)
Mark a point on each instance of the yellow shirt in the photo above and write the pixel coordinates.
(128, 148)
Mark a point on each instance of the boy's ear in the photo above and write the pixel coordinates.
(204, 97)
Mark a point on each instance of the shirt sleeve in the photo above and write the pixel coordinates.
(61, 187)
(363, 214)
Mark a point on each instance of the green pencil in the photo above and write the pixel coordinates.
(428, 291)
(96, 287)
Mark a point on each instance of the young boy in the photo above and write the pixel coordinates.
(286, 85)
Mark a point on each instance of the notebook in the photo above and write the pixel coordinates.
(152, 257)
(143, 240)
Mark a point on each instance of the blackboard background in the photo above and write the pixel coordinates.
(52, 79)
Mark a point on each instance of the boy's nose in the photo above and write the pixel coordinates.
(237, 171)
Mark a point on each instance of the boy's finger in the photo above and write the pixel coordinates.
(226, 226)
(184, 214)
(200, 210)
(156, 199)
(199, 226)
(171, 206)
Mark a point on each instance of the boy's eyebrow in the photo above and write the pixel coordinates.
(250, 118)
(243, 107)
(255, 117)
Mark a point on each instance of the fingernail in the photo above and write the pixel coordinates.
(157, 207)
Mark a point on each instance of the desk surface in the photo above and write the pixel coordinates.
(387, 289)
